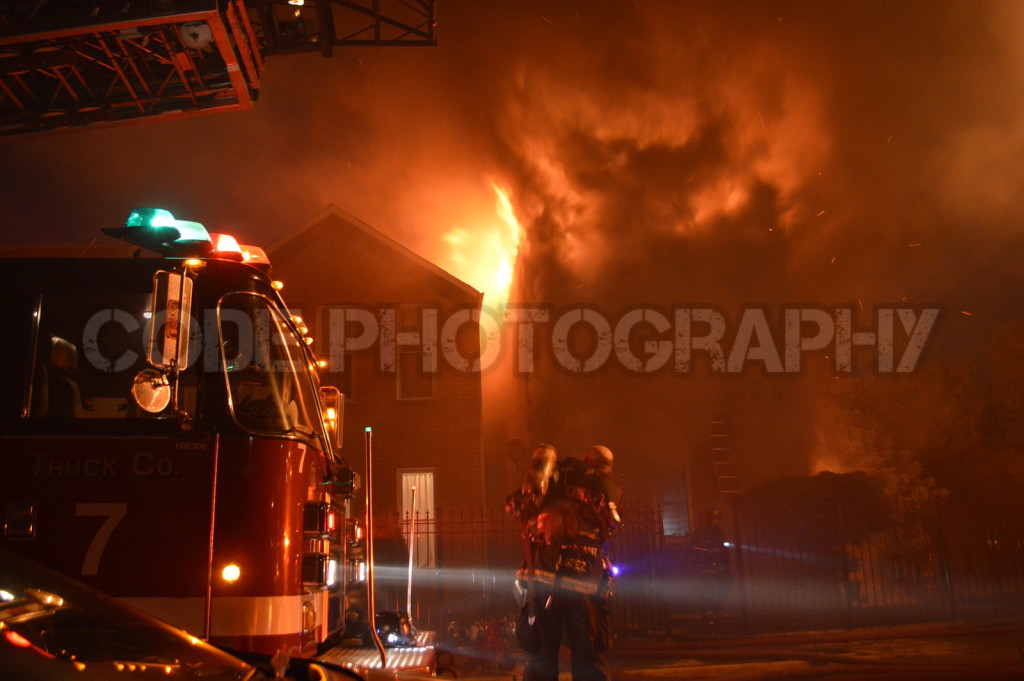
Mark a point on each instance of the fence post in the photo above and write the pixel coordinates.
(943, 553)
(741, 577)
(438, 539)
(659, 571)
(844, 578)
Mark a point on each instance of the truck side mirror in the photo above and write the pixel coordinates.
(151, 391)
(169, 322)
(334, 412)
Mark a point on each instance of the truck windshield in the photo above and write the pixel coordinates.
(268, 371)
(89, 345)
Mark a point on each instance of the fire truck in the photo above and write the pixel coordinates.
(164, 437)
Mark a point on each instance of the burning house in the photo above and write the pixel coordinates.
(395, 332)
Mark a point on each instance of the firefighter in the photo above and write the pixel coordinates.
(65, 398)
(566, 568)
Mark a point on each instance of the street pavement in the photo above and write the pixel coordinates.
(935, 652)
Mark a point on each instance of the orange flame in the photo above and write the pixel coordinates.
(485, 256)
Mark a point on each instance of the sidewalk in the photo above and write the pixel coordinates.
(947, 651)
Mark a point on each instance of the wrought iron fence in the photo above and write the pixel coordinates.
(788, 569)
(842, 565)
(465, 564)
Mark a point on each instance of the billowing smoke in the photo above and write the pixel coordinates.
(767, 156)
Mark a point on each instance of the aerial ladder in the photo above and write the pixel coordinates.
(68, 64)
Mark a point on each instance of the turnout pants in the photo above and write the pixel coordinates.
(584, 619)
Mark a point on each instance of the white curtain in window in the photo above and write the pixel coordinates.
(422, 514)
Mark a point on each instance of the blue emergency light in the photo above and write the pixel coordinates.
(157, 230)
(155, 218)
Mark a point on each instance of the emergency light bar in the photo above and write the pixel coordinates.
(156, 229)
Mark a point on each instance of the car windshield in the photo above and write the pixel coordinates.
(63, 620)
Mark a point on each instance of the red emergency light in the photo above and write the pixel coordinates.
(225, 247)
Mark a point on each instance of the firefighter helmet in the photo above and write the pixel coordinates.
(599, 458)
(542, 465)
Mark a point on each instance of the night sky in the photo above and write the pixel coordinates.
(656, 154)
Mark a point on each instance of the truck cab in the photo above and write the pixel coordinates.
(164, 437)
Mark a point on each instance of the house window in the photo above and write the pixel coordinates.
(416, 352)
(416, 495)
